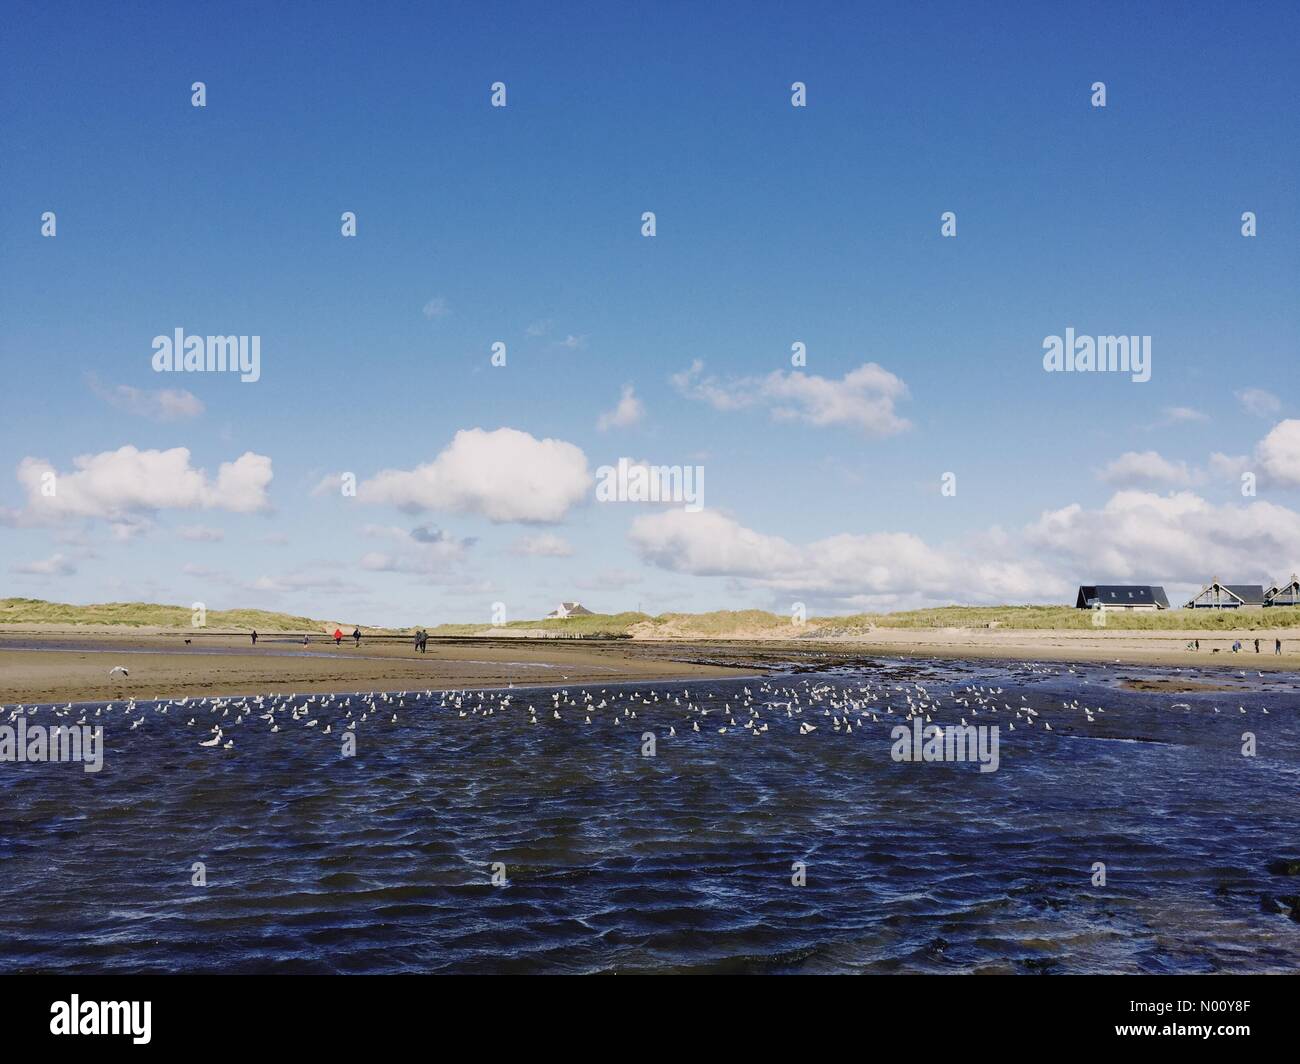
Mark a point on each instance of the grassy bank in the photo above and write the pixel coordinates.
(147, 615)
(720, 624)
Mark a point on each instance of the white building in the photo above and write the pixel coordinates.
(569, 609)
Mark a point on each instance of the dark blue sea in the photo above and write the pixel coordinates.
(685, 861)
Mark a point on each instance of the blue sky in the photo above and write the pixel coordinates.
(775, 224)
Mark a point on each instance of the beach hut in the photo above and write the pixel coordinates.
(1217, 596)
(1121, 597)
(569, 609)
(1284, 595)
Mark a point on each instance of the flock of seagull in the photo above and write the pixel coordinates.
(843, 708)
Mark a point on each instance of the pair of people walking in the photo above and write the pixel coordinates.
(421, 640)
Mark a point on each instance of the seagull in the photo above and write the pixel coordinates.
(117, 670)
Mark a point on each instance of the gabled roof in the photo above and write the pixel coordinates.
(1230, 595)
(1284, 594)
(1122, 595)
(571, 609)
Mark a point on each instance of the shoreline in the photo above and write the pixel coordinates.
(61, 664)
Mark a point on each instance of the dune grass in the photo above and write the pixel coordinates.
(147, 615)
(724, 624)
(718, 624)
(597, 626)
(1038, 617)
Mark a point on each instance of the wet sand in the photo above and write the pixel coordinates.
(73, 666)
(62, 664)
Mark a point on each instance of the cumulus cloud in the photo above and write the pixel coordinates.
(1275, 460)
(1139, 468)
(1278, 454)
(504, 475)
(863, 398)
(127, 486)
(55, 565)
(878, 570)
(1142, 537)
(157, 404)
(546, 545)
(1259, 402)
(1136, 537)
(626, 413)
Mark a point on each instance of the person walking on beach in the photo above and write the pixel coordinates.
(356, 634)
(338, 637)
(1256, 646)
(424, 641)
(254, 637)
(1198, 644)
(1236, 645)
(1277, 646)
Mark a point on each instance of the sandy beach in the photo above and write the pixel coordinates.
(50, 663)
(73, 666)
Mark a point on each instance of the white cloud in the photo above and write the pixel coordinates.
(125, 487)
(573, 343)
(707, 543)
(437, 307)
(546, 545)
(1177, 415)
(1259, 402)
(1181, 538)
(1140, 537)
(1275, 460)
(863, 398)
(55, 565)
(1278, 454)
(879, 570)
(158, 404)
(421, 550)
(626, 413)
(503, 475)
(1138, 468)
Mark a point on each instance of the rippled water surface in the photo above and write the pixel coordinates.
(615, 861)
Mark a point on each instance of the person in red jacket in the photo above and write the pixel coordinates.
(338, 637)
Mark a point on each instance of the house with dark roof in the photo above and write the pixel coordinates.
(1217, 596)
(569, 609)
(1121, 597)
(1283, 594)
